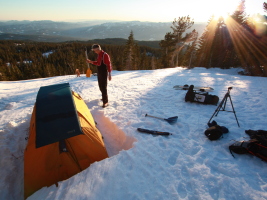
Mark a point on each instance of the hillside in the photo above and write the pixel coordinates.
(61, 31)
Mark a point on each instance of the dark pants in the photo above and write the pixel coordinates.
(102, 77)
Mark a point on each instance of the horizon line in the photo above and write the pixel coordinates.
(85, 20)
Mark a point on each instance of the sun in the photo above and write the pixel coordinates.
(224, 9)
(219, 15)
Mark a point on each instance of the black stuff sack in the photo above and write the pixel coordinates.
(200, 97)
(214, 132)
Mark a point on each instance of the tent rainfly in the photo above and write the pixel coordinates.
(63, 138)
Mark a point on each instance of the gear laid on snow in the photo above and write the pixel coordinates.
(200, 97)
(222, 105)
(256, 146)
(170, 120)
(196, 88)
(153, 132)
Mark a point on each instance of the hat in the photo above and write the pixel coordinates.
(96, 46)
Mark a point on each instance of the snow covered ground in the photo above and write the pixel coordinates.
(185, 165)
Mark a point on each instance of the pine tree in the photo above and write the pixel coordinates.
(250, 48)
(153, 63)
(264, 41)
(3, 69)
(189, 57)
(175, 41)
(131, 54)
(205, 44)
(239, 14)
(220, 45)
(217, 45)
(145, 62)
(167, 47)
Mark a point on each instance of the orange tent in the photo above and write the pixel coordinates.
(63, 139)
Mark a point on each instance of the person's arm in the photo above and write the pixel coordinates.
(89, 61)
(109, 76)
(97, 62)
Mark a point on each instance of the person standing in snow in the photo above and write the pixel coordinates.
(78, 72)
(104, 69)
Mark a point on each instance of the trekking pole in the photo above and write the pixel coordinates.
(88, 72)
(170, 120)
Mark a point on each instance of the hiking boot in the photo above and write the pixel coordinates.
(105, 105)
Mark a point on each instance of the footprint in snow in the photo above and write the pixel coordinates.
(9, 106)
(181, 190)
(184, 173)
(162, 144)
(172, 159)
(194, 150)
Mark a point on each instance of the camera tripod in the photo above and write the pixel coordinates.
(222, 105)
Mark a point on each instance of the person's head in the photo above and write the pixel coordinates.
(96, 48)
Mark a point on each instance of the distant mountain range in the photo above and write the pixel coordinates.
(51, 31)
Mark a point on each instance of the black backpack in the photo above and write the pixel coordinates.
(200, 97)
(256, 146)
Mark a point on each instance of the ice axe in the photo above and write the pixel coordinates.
(170, 120)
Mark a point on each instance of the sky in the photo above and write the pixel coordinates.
(124, 10)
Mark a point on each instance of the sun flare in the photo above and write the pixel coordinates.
(224, 15)
(224, 9)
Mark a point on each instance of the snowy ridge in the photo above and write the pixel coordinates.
(185, 165)
(66, 31)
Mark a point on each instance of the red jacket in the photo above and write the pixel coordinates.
(106, 60)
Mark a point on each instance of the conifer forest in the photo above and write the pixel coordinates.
(236, 41)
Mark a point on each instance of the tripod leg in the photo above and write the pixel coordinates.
(216, 111)
(226, 96)
(234, 111)
(218, 108)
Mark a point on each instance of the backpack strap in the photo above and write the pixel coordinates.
(103, 57)
(239, 147)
